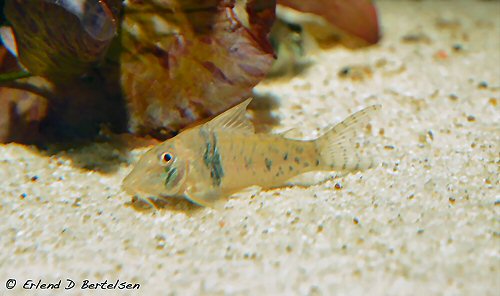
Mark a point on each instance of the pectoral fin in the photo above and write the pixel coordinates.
(205, 198)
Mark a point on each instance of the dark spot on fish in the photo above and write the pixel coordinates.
(212, 160)
(217, 170)
(344, 166)
(171, 175)
(269, 164)
(299, 149)
(290, 168)
(285, 157)
(306, 164)
(280, 172)
(317, 162)
(248, 162)
(297, 160)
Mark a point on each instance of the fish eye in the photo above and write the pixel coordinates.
(166, 158)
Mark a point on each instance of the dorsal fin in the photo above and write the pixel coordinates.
(233, 119)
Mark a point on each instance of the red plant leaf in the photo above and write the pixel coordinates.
(186, 60)
(356, 17)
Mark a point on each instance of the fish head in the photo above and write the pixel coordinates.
(160, 172)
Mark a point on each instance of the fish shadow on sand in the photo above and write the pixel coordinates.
(105, 154)
(169, 204)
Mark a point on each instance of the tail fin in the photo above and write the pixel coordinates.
(339, 148)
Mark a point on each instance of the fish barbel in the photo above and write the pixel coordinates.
(223, 156)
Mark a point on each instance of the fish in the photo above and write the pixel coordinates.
(212, 161)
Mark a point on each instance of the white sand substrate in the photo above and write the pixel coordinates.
(425, 221)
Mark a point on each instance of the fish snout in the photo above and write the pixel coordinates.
(130, 183)
(142, 183)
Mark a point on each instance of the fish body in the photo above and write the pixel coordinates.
(223, 156)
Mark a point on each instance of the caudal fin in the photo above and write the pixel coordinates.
(339, 147)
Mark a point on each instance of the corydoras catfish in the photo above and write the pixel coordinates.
(211, 161)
